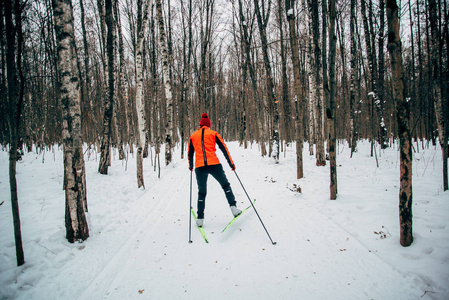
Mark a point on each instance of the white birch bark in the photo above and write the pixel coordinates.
(311, 84)
(140, 105)
(74, 175)
(105, 159)
(167, 85)
(317, 82)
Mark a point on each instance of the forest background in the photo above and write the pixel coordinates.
(142, 72)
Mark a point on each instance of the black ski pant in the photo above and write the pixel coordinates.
(201, 178)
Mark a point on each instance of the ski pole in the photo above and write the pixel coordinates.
(274, 243)
(190, 214)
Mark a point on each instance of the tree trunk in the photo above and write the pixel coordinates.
(331, 109)
(436, 88)
(324, 69)
(289, 9)
(87, 84)
(344, 81)
(246, 40)
(167, 84)
(285, 91)
(74, 175)
(262, 23)
(311, 83)
(109, 99)
(140, 105)
(15, 103)
(187, 55)
(420, 73)
(381, 80)
(206, 41)
(317, 83)
(353, 133)
(122, 86)
(405, 191)
(372, 61)
(318, 74)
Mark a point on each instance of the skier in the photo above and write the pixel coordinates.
(202, 143)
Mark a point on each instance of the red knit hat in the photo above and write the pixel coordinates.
(205, 121)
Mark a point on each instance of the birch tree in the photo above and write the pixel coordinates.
(167, 85)
(86, 79)
(74, 172)
(310, 81)
(109, 99)
(140, 104)
(403, 116)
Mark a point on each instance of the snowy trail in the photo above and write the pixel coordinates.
(173, 269)
(101, 284)
(311, 252)
(138, 248)
(113, 269)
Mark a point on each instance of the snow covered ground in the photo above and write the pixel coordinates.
(138, 246)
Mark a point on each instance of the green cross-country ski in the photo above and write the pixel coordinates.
(200, 228)
(235, 218)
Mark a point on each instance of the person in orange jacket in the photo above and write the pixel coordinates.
(202, 142)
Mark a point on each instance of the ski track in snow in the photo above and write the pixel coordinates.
(109, 274)
(138, 248)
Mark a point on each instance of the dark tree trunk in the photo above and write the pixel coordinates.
(109, 99)
(440, 105)
(372, 61)
(285, 94)
(15, 84)
(331, 109)
(403, 116)
(299, 103)
(262, 21)
(352, 128)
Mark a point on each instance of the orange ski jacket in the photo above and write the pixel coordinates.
(202, 143)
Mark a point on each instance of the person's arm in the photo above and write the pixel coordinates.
(221, 144)
(190, 154)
